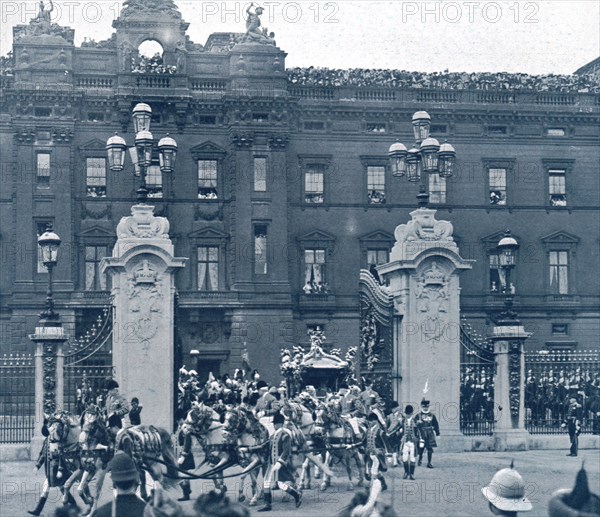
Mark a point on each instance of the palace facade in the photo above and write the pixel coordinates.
(282, 191)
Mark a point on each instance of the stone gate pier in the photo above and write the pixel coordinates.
(423, 281)
(141, 270)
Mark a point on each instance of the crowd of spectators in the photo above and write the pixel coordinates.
(152, 65)
(327, 77)
(7, 64)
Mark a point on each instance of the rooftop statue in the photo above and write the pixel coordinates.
(44, 13)
(42, 25)
(254, 33)
(151, 7)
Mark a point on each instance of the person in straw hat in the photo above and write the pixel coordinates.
(506, 493)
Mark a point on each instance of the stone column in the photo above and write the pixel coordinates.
(423, 276)
(142, 269)
(49, 338)
(509, 387)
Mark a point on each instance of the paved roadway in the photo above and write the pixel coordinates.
(451, 489)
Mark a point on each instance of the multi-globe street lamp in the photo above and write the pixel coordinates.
(426, 157)
(141, 152)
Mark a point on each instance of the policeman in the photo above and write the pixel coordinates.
(573, 425)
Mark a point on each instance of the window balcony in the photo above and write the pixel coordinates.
(206, 298)
(316, 300)
(562, 298)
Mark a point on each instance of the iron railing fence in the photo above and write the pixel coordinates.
(17, 398)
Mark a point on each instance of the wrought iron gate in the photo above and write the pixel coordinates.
(88, 363)
(477, 409)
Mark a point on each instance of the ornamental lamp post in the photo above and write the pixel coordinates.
(426, 157)
(509, 338)
(49, 337)
(507, 258)
(141, 152)
(49, 242)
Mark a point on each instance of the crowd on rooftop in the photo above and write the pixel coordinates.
(328, 77)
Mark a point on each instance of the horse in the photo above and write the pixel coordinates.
(311, 448)
(218, 444)
(58, 455)
(95, 451)
(149, 447)
(342, 441)
(252, 447)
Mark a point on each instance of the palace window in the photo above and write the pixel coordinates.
(376, 257)
(376, 184)
(207, 179)
(314, 191)
(95, 182)
(43, 170)
(496, 278)
(260, 174)
(94, 280)
(560, 329)
(208, 268)
(559, 272)
(375, 127)
(557, 187)
(437, 188)
(497, 186)
(260, 249)
(154, 181)
(315, 280)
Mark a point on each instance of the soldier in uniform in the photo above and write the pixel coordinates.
(116, 406)
(281, 471)
(394, 432)
(409, 440)
(573, 425)
(428, 430)
(377, 447)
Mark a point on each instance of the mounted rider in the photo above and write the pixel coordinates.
(115, 405)
(351, 407)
